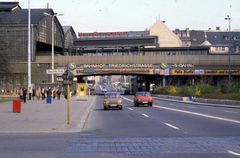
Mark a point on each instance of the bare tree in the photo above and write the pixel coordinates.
(5, 66)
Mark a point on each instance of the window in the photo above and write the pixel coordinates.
(226, 38)
(223, 48)
(216, 48)
(236, 38)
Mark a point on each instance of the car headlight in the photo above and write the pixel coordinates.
(120, 102)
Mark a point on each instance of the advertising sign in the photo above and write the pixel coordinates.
(81, 91)
(203, 71)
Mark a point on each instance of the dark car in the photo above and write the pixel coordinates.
(112, 100)
(143, 98)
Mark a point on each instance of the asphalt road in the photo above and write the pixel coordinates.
(168, 129)
(164, 119)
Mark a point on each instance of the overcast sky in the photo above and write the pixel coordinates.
(137, 15)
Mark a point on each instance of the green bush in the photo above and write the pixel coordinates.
(233, 90)
(158, 90)
(190, 90)
(223, 89)
(207, 88)
(187, 90)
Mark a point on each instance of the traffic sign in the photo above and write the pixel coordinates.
(55, 71)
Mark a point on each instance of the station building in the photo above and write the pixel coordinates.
(175, 57)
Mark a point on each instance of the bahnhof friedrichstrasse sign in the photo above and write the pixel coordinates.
(112, 71)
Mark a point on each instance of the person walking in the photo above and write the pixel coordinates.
(29, 93)
(38, 93)
(21, 94)
(54, 95)
(33, 93)
(24, 94)
(43, 93)
(58, 94)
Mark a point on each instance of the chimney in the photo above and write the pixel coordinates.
(218, 28)
(209, 29)
(187, 32)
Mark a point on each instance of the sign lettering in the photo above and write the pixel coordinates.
(204, 71)
(103, 34)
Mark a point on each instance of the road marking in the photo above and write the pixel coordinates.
(145, 115)
(171, 126)
(194, 113)
(231, 111)
(130, 108)
(231, 152)
(127, 99)
(198, 114)
(170, 104)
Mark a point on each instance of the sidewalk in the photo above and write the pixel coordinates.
(40, 117)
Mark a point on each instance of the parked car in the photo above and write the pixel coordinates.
(112, 100)
(104, 90)
(142, 98)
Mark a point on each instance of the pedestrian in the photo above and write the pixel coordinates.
(54, 95)
(33, 93)
(29, 93)
(21, 93)
(49, 91)
(38, 93)
(24, 94)
(43, 93)
(58, 94)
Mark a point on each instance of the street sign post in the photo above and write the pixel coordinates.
(55, 71)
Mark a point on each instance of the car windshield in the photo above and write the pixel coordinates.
(143, 94)
(114, 95)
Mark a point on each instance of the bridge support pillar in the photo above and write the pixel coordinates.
(164, 81)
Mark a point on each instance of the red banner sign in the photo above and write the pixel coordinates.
(102, 34)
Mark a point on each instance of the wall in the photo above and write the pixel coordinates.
(205, 60)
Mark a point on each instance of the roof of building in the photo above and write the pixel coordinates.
(218, 38)
(116, 41)
(66, 28)
(11, 13)
(197, 37)
(8, 6)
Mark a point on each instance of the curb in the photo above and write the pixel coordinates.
(194, 102)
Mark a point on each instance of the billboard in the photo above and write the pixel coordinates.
(203, 72)
(82, 91)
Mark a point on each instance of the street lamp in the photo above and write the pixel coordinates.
(55, 14)
(229, 62)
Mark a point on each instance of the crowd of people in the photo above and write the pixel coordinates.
(37, 94)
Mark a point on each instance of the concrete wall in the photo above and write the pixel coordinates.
(205, 60)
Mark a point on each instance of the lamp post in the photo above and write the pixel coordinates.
(52, 16)
(29, 46)
(229, 62)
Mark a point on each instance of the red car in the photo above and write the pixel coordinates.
(142, 98)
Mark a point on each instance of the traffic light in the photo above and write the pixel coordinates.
(67, 79)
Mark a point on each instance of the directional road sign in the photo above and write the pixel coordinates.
(55, 71)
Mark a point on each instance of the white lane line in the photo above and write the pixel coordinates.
(145, 115)
(130, 108)
(231, 152)
(198, 114)
(127, 99)
(170, 104)
(171, 126)
(234, 112)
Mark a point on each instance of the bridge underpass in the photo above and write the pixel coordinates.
(144, 76)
